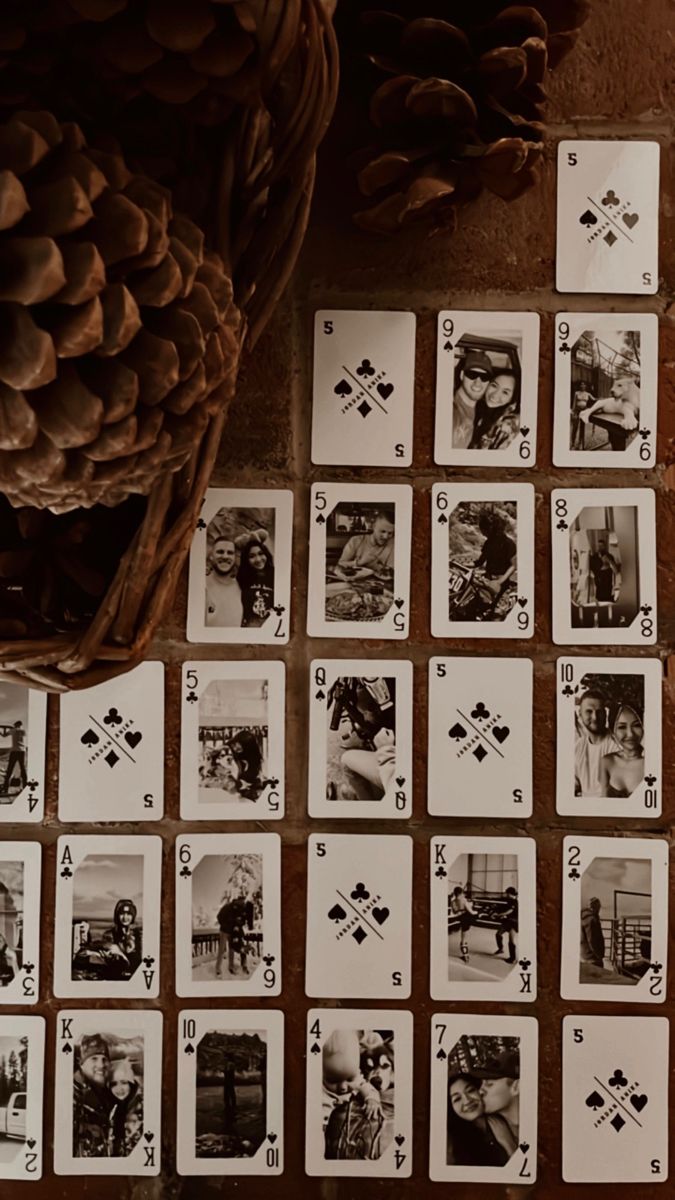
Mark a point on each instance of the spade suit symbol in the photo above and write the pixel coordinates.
(588, 218)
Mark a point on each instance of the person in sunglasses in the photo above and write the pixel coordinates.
(474, 376)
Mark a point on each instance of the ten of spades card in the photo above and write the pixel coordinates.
(359, 560)
(20, 885)
(359, 916)
(608, 208)
(604, 566)
(232, 741)
(483, 1125)
(363, 392)
(23, 729)
(480, 737)
(22, 1052)
(107, 1112)
(360, 738)
(230, 1110)
(483, 919)
(107, 917)
(482, 560)
(615, 1099)
(228, 904)
(614, 919)
(608, 760)
(359, 1092)
(111, 749)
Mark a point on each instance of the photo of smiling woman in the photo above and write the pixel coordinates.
(483, 1101)
(239, 586)
(486, 402)
(609, 735)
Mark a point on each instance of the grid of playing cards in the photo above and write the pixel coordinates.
(207, 910)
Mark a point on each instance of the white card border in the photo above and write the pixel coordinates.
(17, 1025)
(25, 987)
(36, 746)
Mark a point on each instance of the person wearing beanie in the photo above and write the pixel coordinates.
(92, 1100)
(475, 374)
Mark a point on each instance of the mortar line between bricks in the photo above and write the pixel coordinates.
(544, 300)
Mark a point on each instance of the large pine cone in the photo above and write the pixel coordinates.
(118, 334)
(461, 103)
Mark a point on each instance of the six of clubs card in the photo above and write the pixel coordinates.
(480, 737)
(359, 916)
(360, 738)
(23, 731)
(20, 878)
(614, 919)
(22, 1051)
(359, 1092)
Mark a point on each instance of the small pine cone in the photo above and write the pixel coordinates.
(461, 103)
(118, 333)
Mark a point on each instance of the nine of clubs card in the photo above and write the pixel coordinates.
(20, 879)
(23, 729)
(22, 1052)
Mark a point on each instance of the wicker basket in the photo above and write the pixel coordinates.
(263, 204)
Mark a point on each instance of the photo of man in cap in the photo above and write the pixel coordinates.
(474, 375)
(92, 1099)
(500, 1090)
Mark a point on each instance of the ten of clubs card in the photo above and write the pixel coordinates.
(615, 1099)
(359, 1092)
(608, 208)
(22, 1051)
(480, 737)
(364, 375)
(359, 916)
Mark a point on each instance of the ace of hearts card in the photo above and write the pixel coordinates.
(111, 749)
(614, 919)
(22, 1049)
(359, 1092)
(480, 737)
(615, 1099)
(608, 217)
(230, 1092)
(107, 922)
(23, 731)
(359, 916)
(363, 392)
(20, 886)
(360, 738)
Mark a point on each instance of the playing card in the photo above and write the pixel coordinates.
(359, 560)
(359, 914)
(107, 1111)
(615, 1099)
(483, 919)
(606, 383)
(228, 904)
(608, 217)
(614, 919)
(230, 1092)
(604, 566)
(482, 560)
(239, 588)
(107, 923)
(608, 758)
(20, 880)
(360, 738)
(486, 388)
(111, 749)
(480, 737)
(359, 1092)
(363, 393)
(483, 1099)
(22, 1054)
(232, 741)
(23, 729)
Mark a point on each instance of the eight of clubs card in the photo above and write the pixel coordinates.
(486, 389)
(360, 738)
(614, 919)
(608, 759)
(480, 737)
(107, 924)
(359, 560)
(23, 728)
(232, 741)
(230, 1092)
(20, 878)
(604, 566)
(615, 1099)
(482, 560)
(22, 1051)
(363, 393)
(111, 756)
(228, 901)
(359, 916)
(606, 383)
(483, 1099)
(359, 1092)
(483, 919)
(108, 1092)
(608, 214)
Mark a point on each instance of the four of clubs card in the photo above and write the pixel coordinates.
(608, 208)
(364, 378)
(22, 1051)
(23, 731)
